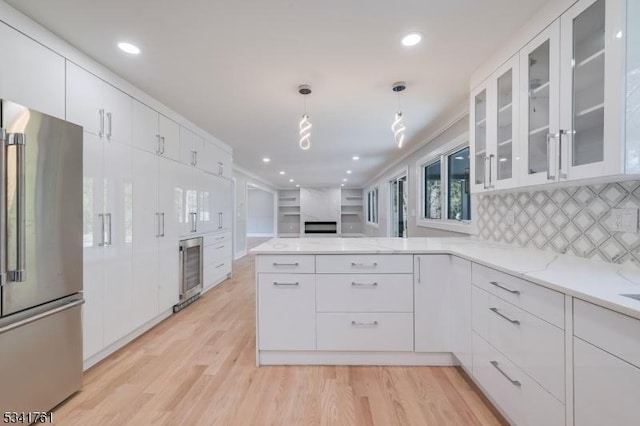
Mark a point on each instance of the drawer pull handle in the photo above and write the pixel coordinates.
(219, 247)
(220, 238)
(497, 367)
(364, 265)
(286, 284)
(512, 321)
(286, 264)
(364, 324)
(220, 265)
(355, 284)
(503, 288)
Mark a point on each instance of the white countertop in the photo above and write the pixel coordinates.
(591, 280)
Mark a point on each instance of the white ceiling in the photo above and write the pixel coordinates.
(233, 68)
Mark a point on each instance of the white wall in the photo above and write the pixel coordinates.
(243, 179)
(260, 212)
(409, 163)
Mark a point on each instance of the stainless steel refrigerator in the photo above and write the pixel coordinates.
(40, 259)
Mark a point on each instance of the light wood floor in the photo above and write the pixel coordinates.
(198, 368)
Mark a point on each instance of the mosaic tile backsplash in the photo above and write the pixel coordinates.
(574, 220)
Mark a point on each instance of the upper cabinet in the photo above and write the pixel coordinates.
(155, 133)
(98, 107)
(494, 117)
(567, 98)
(33, 75)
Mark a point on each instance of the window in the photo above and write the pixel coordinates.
(372, 206)
(432, 185)
(458, 195)
(444, 188)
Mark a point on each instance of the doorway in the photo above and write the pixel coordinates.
(399, 192)
(261, 212)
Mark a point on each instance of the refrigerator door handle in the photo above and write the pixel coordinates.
(41, 316)
(19, 274)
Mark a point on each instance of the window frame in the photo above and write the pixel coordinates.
(375, 192)
(444, 223)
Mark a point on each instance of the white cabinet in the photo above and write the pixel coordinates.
(606, 388)
(98, 107)
(153, 132)
(286, 312)
(432, 317)
(572, 90)
(191, 147)
(32, 75)
(460, 296)
(168, 252)
(495, 120)
(216, 161)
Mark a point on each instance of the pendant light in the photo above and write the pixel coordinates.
(305, 125)
(398, 125)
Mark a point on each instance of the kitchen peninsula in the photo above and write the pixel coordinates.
(514, 319)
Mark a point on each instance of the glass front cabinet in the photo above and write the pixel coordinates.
(558, 112)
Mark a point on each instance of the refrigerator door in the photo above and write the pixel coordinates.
(43, 244)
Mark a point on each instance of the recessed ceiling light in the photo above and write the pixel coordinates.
(344, 180)
(411, 39)
(355, 158)
(266, 159)
(282, 172)
(342, 184)
(348, 172)
(297, 186)
(129, 48)
(291, 180)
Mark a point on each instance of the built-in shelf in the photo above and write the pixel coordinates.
(353, 198)
(539, 130)
(505, 108)
(288, 199)
(590, 110)
(591, 58)
(540, 88)
(350, 214)
(290, 214)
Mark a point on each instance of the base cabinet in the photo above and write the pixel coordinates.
(460, 303)
(432, 286)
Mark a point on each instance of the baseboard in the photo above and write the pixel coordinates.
(93, 360)
(355, 358)
(240, 255)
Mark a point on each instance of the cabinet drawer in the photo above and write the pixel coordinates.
(216, 271)
(534, 345)
(365, 332)
(287, 312)
(215, 239)
(540, 301)
(523, 400)
(216, 252)
(615, 333)
(606, 388)
(296, 264)
(364, 293)
(365, 264)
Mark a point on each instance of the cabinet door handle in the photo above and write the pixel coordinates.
(101, 122)
(549, 137)
(110, 126)
(162, 233)
(286, 284)
(364, 324)
(486, 174)
(158, 144)
(500, 314)
(102, 230)
(286, 264)
(220, 168)
(195, 158)
(497, 284)
(491, 160)
(370, 285)
(419, 269)
(497, 367)
(163, 145)
(562, 170)
(220, 220)
(363, 265)
(194, 222)
(109, 234)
